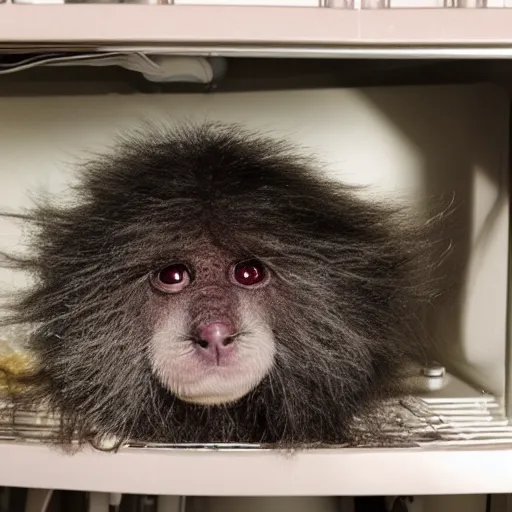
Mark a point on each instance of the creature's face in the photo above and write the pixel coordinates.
(210, 286)
(212, 342)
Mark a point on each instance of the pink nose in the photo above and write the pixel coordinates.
(217, 334)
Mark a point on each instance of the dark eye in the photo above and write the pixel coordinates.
(249, 273)
(171, 279)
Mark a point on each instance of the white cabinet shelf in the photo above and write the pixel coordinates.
(432, 139)
(238, 27)
(318, 472)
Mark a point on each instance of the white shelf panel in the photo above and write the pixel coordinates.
(246, 473)
(132, 24)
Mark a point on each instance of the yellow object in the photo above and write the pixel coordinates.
(15, 364)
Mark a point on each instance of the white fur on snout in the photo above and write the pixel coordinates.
(179, 367)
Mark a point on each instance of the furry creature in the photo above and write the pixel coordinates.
(210, 285)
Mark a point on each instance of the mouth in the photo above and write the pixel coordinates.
(214, 385)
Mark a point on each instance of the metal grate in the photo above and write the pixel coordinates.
(407, 422)
(448, 422)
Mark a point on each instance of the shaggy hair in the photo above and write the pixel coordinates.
(350, 279)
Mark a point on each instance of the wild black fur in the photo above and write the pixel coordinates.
(350, 279)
